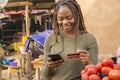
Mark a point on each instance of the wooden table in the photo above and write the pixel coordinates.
(12, 69)
(37, 65)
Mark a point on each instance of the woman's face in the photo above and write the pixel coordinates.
(65, 19)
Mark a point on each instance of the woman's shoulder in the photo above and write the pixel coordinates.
(88, 35)
(51, 37)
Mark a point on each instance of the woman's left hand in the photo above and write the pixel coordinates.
(84, 56)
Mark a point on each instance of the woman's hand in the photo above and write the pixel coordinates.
(53, 64)
(84, 56)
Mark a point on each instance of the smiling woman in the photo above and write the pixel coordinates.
(70, 37)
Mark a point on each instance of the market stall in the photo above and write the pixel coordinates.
(27, 9)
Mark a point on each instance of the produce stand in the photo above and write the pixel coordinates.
(28, 6)
(107, 69)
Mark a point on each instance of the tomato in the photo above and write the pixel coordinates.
(83, 71)
(84, 76)
(94, 77)
(108, 62)
(116, 67)
(99, 66)
(114, 74)
(106, 70)
(89, 66)
(106, 78)
(92, 70)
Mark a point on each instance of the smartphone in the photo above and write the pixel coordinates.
(55, 57)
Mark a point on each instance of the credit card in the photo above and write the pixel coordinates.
(70, 56)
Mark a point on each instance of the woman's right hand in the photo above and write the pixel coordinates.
(53, 64)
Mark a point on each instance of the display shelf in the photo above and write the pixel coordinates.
(8, 32)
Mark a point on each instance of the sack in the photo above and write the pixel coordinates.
(35, 43)
(36, 49)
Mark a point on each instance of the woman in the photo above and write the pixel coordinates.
(70, 37)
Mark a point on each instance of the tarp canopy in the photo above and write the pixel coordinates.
(36, 4)
(38, 38)
(3, 3)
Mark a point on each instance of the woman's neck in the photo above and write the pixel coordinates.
(70, 34)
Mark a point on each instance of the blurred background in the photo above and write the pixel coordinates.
(102, 18)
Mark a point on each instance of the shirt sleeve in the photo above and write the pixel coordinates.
(46, 72)
(93, 50)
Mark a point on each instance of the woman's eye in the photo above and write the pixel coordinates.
(69, 18)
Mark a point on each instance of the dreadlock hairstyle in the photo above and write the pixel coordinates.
(75, 8)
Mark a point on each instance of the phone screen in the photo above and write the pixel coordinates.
(55, 57)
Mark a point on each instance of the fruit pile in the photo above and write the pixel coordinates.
(105, 70)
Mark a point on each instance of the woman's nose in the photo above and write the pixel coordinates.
(65, 21)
